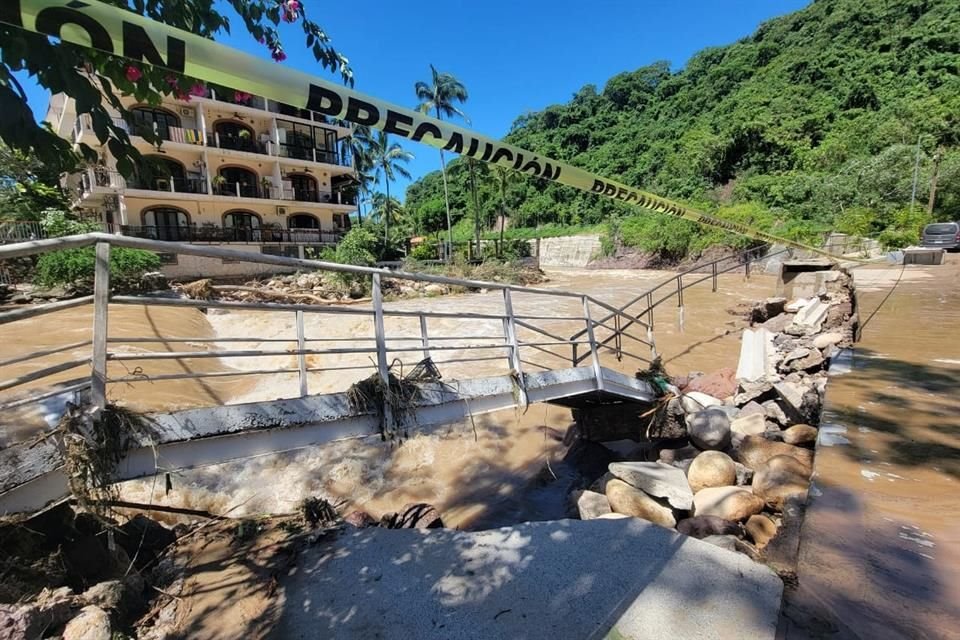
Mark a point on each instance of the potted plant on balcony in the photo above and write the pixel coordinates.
(218, 182)
(266, 185)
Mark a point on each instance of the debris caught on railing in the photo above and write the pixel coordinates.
(400, 394)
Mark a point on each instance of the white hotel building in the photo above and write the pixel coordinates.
(232, 168)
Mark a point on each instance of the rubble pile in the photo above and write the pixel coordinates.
(732, 460)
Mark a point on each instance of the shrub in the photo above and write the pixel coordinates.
(75, 267)
(427, 250)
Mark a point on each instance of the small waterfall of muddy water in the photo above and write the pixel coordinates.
(478, 475)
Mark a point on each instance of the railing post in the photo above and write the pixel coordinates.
(510, 335)
(595, 355)
(714, 273)
(236, 186)
(424, 339)
(101, 300)
(680, 299)
(381, 340)
(747, 267)
(301, 356)
(619, 339)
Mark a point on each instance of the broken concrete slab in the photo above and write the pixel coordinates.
(623, 578)
(756, 352)
(657, 479)
(809, 319)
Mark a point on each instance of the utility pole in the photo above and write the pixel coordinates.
(937, 157)
(916, 176)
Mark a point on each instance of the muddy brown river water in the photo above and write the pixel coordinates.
(478, 475)
(880, 547)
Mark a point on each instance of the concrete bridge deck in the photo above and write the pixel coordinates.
(212, 435)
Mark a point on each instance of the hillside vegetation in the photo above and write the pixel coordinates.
(811, 123)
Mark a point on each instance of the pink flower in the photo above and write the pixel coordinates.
(199, 89)
(279, 55)
(293, 6)
(133, 74)
(241, 97)
(290, 11)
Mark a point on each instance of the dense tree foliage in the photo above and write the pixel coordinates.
(810, 123)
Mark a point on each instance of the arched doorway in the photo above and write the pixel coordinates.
(237, 180)
(242, 226)
(304, 187)
(304, 227)
(166, 223)
(150, 119)
(161, 173)
(231, 134)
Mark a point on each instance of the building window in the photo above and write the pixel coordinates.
(237, 180)
(146, 120)
(306, 142)
(242, 226)
(236, 135)
(168, 258)
(303, 221)
(304, 187)
(166, 223)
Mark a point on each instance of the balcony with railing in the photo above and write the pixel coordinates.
(248, 144)
(213, 233)
(100, 179)
(312, 154)
(171, 184)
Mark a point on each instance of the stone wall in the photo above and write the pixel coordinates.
(569, 251)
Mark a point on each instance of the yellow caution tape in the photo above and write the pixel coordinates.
(119, 32)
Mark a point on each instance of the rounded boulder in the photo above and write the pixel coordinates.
(729, 503)
(630, 501)
(781, 477)
(711, 469)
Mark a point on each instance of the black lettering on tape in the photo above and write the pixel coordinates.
(472, 149)
(501, 153)
(533, 167)
(487, 150)
(362, 112)
(598, 186)
(325, 101)
(394, 122)
(423, 129)
(455, 143)
(138, 45)
(52, 19)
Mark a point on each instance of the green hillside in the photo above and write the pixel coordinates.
(810, 123)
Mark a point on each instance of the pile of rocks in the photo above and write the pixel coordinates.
(742, 442)
(74, 576)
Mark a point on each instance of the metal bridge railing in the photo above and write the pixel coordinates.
(644, 304)
(516, 340)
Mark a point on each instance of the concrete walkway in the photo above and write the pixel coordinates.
(880, 548)
(573, 579)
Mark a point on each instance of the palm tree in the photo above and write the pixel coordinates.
(439, 96)
(503, 176)
(387, 159)
(475, 167)
(360, 145)
(380, 203)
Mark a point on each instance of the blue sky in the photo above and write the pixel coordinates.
(513, 55)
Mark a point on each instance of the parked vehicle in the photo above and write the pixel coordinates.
(942, 235)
